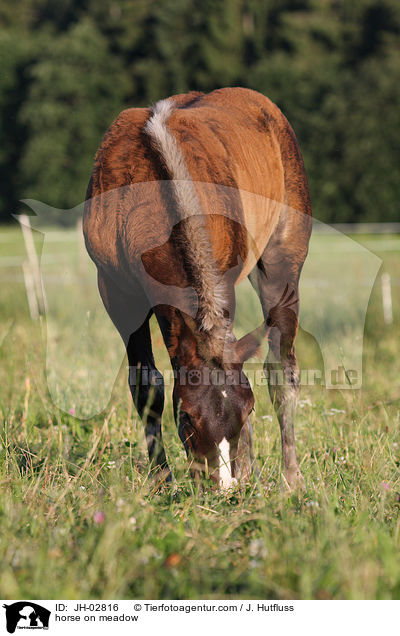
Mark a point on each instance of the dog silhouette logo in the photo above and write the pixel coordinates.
(26, 615)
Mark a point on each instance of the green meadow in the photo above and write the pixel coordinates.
(81, 518)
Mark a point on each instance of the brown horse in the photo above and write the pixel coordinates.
(186, 199)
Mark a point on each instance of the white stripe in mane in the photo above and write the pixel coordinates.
(209, 283)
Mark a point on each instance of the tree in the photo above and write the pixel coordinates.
(16, 53)
(77, 89)
(333, 67)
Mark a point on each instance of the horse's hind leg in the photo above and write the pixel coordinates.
(278, 291)
(130, 314)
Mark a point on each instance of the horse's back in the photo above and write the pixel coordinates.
(230, 138)
(243, 160)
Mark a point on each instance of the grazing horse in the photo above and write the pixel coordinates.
(187, 199)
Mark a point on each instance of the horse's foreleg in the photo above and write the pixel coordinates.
(278, 292)
(145, 381)
(283, 382)
(147, 388)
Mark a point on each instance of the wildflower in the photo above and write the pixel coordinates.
(333, 411)
(385, 485)
(99, 517)
(120, 503)
(257, 548)
(172, 560)
(72, 411)
(303, 403)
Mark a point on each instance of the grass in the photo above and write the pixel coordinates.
(79, 517)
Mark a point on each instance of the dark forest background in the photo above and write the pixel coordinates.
(68, 67)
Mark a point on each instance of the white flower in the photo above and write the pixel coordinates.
(257, 548)
(312, 504)
(303, 403)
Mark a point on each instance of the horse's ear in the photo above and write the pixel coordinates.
(248, 346)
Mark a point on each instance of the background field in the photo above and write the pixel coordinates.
(79, 517)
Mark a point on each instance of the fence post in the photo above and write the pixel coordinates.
(30, 291)
(82, 254)
(33, 262)
(387, 299)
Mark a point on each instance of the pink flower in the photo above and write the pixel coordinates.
(385, 485)
(99, 517)
(72, 411)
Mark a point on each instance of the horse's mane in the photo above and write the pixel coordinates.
(207, 280)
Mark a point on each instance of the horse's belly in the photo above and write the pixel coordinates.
(261, 215)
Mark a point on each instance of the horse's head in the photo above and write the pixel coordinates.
(213, 400)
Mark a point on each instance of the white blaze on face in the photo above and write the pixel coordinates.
(225, 474)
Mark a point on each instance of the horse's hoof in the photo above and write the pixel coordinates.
(293, 481)
(160, 479)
